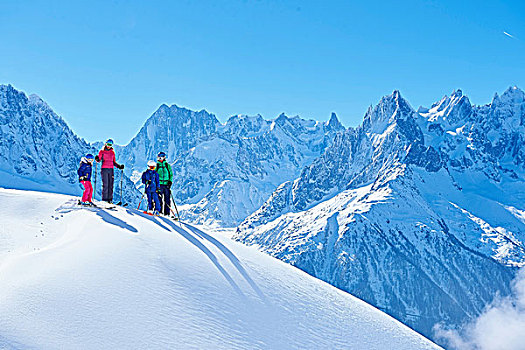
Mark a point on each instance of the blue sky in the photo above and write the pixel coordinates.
(105, 66)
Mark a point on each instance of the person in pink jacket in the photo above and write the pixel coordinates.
(108, 159)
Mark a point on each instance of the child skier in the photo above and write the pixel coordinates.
(151, 179)
(165, 181)
(84, 176)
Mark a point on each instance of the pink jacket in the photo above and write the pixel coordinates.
(108, 158)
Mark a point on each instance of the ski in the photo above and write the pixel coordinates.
(92, 205)
(150, 214)
(97, 206)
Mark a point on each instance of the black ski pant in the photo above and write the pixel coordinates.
(108, 178)
(165, 198)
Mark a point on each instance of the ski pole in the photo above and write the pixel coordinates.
(172, 213)
(121, 176)
(140, 202)
(177, 210)
(95, 189)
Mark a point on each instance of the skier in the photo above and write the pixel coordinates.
(84, 177)
(151, 179)
(108, 159)
(165, 181)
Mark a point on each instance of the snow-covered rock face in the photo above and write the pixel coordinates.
(419, 213)
(223, 172)
(34, 140)
(173, 130)
(38, 150)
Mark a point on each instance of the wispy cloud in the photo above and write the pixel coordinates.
(500, 326)
(509, 35)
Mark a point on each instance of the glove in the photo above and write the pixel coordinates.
(121, 166)
(97, 158)
(83, 178)
(169, 184)
(148, 182)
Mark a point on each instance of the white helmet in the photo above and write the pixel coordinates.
(152, 164)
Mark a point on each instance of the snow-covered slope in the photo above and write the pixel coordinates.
(419, 213)
(38, 150)
(87, 278)
(223, 172)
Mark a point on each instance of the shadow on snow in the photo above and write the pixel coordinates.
(194, 239)
(190, 238)
(228, 253)
(153, 219)
(110, 219)
(101, 212)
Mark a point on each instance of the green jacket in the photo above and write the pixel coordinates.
(165, 172)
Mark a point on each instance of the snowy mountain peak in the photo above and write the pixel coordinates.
(171, 129)
(512, 95)
(176, 112)
(164, 108)
(387, 112)
(456, 94)
(334, 123)
(282, 119)
(506, 111)
(396, 94)
(450, 110)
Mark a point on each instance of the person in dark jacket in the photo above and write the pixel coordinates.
(150, 178)
(108, 159)
(84, 177)
(165, 181)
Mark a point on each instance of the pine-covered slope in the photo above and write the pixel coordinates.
(419, 213)
(38, 150)
(223, 172)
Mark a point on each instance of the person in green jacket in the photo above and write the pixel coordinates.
(165, 181)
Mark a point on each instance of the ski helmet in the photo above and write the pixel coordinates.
(89, 156)
(161, 155)
(152, 164)
(109, 142)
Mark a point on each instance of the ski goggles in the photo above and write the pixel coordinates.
(109, 144)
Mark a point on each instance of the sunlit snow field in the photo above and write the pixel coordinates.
(89, 278)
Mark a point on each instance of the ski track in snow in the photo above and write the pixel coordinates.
(76, 278)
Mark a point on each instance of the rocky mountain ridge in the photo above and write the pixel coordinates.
(419, 213)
